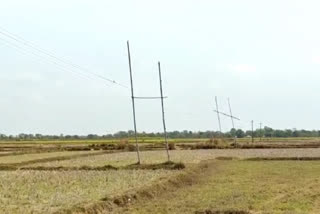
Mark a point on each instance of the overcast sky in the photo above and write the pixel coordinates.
(264, 55)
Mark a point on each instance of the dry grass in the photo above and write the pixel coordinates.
(169, 165)
(185, 156)
(279, 187)
(174, 182)
(50, 191)
(6, 153)
(30, 157)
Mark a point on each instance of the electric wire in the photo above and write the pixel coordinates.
(31, 45)
(45, 60)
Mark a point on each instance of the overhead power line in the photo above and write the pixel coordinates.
(42, 59)
(49, 54)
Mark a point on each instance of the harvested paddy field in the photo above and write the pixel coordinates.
(18, 159)
(185, 156)
(49, 192)
(209, 184)
(6, 152)
(277, 187)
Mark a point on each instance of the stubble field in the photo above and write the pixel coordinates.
(185, 156)
(214, 180)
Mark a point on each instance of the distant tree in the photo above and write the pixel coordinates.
(240, 134)
(288, 133)
(2, 136)
(268, 132)
(233, 132)
(90, 136)
(121, 134)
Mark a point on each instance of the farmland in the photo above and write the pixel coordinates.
(245, 187)
(48, 192)
(159, 107)
(147, 143)
(185, 156)
(16, 159)
(141, 140)
(58, 180)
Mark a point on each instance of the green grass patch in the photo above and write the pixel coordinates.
(277, 187)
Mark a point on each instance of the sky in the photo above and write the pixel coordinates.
(263, 55)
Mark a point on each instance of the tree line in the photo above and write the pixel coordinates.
(239, 133)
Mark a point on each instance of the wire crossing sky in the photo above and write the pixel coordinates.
(29, 47)
(66, 71)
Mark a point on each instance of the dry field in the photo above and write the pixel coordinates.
(148, 143)
(5, 152)
(236, 181)
(185, 156)
(48, 192)
(243, 187)
(15, 159)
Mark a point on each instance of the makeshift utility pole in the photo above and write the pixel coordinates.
(260, 132)
(227, 115)
(230, 113)
(163, 118)
(235, 136)
(252, 139)
(133, 105)
(224, 114)
(218, 114)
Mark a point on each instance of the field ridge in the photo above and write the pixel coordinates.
(44, 160)
(196, 173)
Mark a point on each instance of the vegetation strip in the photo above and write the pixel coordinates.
(44, 160)
(190, 176)
(25, 152)
(271, 158)
(283, 159)
(209, 145)
(166, 166)
(11, 154)
(222, 212)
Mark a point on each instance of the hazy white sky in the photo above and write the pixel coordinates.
(264, 55)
